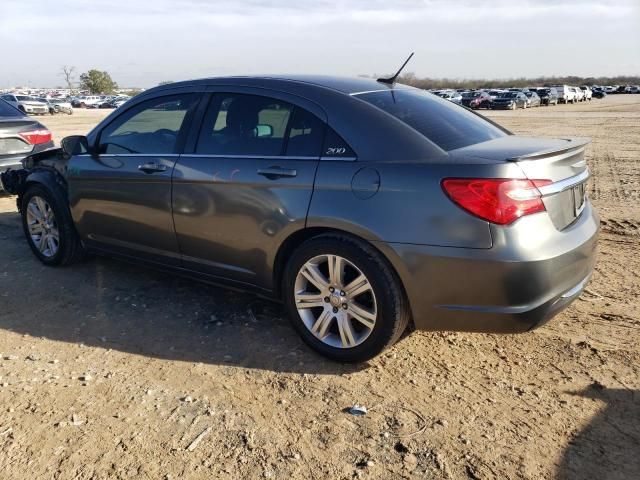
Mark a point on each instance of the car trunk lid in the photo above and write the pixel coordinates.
(11, 143)
(559, 160)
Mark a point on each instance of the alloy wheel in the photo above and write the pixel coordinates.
(42, 225)
(335, 301)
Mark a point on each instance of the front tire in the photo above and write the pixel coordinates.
(344, 299)
(48, 227)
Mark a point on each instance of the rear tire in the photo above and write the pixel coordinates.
(45, 214)
(355, 314)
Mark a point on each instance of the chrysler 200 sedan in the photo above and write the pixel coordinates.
(363, 206)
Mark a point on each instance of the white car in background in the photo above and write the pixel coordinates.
(588, 93)
(566, 94)
(26, 104)
(88, 100)
(579, 94)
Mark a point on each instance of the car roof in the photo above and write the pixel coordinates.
(346, 85)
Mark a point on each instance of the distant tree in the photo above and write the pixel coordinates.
(97, 81)
(165, 82)
(68, 74)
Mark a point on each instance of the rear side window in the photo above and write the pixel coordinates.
(238, 124)
(151, 127)
(306, 133)
(445, 124)
(256, 126)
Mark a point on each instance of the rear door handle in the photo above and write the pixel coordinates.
(152, 167)
(277, 172)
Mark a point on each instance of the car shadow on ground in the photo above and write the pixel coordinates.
(116, 305)
(608, 448)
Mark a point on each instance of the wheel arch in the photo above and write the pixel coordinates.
(297, 238)
(51, 180)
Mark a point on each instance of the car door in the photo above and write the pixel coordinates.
(120, 193)
(247, 182)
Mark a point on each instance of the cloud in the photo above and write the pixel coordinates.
(171, 40)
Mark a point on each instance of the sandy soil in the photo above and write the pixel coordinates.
(108, 370)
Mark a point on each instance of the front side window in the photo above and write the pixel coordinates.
(151, 127)
(445, 124)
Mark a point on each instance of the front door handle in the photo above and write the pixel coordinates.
(277, 172)
(152, 167)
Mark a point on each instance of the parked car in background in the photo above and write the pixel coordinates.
(633, 89)
(52, 110)
(588, 93)
(86, 101)
(580, 97)
(566, 94)
(26, 104)
(352, 199)
(494, 94)
(598, 93)
(450, 95)
(548, 95)
(61, 105)
(476, 100)
(533, 100)
(510, 100)
(610, 89)
(20, 136)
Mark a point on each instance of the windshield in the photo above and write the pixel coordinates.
(510, 95)
(447, 125)
(470, 94)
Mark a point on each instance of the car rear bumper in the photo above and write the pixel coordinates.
(13, 163)
(530, 274)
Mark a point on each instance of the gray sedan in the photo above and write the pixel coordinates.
(363, 206)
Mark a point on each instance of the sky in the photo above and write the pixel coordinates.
(144, 42)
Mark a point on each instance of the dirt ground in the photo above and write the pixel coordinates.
(109, 370)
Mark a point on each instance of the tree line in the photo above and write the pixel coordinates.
(100, 82)
(441, 83)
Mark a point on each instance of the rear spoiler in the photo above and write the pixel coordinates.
(574, 145)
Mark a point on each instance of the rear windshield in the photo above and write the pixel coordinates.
(7, 110)
(447, 125)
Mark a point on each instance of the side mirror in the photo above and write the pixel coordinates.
(74, 145)
(264, 131)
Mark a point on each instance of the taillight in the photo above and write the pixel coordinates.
(35, 137)
(497, 200)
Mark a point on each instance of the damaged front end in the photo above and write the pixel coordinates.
(46, 167)
(11, 180)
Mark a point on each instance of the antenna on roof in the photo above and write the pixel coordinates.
(392, 80)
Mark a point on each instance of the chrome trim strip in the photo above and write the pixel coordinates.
(339, 159)
(354, 94)
(565, 184)
(137, 155)
(203, 155)
(259, 157)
